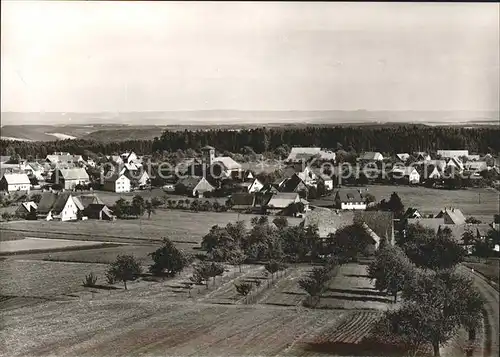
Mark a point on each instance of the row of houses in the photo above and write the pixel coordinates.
(64, 206)
(452, 219)
(70, 171)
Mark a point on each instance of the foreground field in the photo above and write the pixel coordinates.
(117, 328)
(179, 226)
(44, 279)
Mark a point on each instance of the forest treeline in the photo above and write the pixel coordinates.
(384, 139)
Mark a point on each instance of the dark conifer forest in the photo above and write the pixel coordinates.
(403, 138)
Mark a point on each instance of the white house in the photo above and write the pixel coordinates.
(117, 183)
(138, 178)
(349, 200)
(15, 182)
(411, 174)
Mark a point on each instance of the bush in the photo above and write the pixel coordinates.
(244, 288)
(90, 281)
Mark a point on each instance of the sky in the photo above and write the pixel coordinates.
(141, 56)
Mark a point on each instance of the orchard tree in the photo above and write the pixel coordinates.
(125, 268)
(450, 301)
(236, 257)
(431, 250)
(391, 270)
(149, 208)
(316, 282)
(168, 259)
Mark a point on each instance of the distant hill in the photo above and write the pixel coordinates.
(146, 125)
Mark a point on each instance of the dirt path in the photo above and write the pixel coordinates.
(492, 330)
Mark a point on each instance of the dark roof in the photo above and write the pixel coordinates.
(243, 199)
(349, 196)
(381, 222)
(61, 200)
(291, 184)
(189, 182)
(46, 202)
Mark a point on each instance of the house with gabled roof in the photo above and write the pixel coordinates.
(349, 199)
(225, 166)
(451, 216)
(60, 206)
(12, 182)
(25, 209)
(117, 183)
(280, 201)
(70, 178)
(252, 186)
(194, 186)
(295, 184)
(242, 201)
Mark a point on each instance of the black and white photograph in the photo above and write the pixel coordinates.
(243, 179)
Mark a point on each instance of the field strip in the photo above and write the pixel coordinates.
(58, 262)
(92, 237)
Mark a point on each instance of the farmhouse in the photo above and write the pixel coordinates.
(349, 200)
(15, 182)
(25, 208)
(117, 183)
(58, 206)
(281, 201)
(379, 225)
(194, 186)
(372, 156)
(452, 153)
(451, 216)
(69, 178)
(98, 211)
(225, 166)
